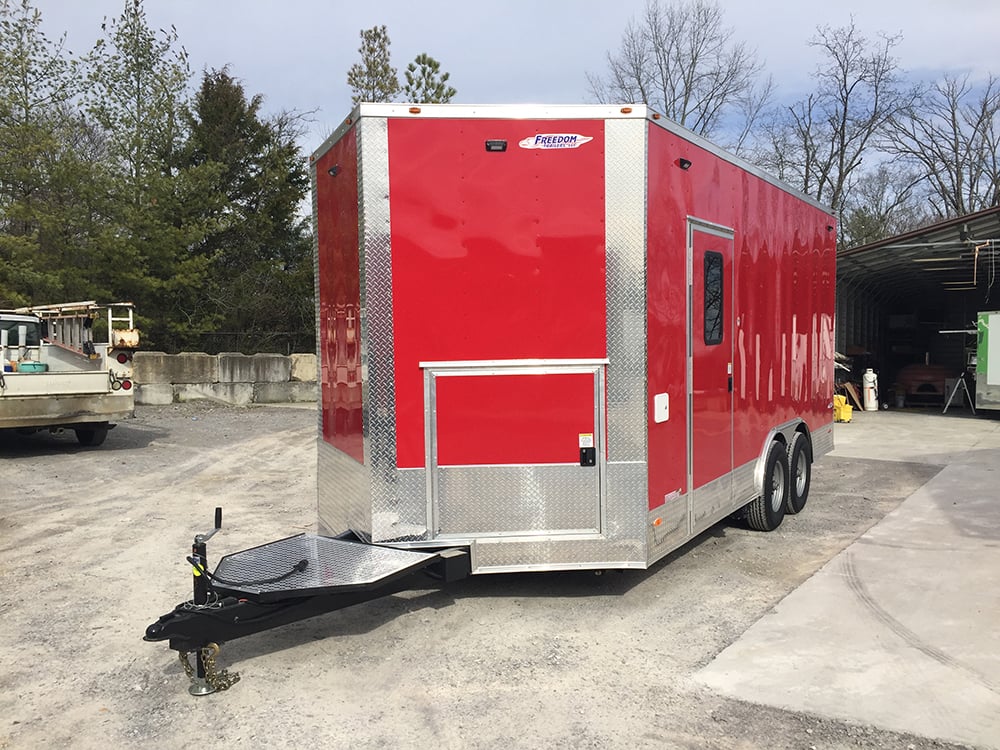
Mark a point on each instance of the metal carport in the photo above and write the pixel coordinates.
(897, 295)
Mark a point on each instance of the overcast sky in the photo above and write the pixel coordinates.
(297, 52)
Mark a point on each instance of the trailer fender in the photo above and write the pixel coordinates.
(783, 433)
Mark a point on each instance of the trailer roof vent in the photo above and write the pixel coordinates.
(684, 164)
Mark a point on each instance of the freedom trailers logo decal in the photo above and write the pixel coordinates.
(555, 140)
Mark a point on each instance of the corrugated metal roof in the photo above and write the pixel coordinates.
(944, 261)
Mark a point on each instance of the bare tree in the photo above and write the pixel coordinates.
(883, 202)
(682, 60)
(818, 144)
(953, 135)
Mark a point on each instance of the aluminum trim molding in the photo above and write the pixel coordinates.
(543, 365)
(503, 111)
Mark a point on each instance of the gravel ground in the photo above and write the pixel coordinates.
(92, 545)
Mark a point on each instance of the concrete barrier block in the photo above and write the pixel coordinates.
(186, 367)
(256, 368)
(238, 394)
(154, 394)
(151, 367)
(303, 367)
(285, 393)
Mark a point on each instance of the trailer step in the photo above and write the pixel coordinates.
(310, 565)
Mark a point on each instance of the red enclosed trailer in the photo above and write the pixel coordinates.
(550, 338)
(562, 336)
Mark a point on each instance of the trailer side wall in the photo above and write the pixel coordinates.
(343, 477)
(778, 320)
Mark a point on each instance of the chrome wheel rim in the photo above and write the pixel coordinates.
(777, 488)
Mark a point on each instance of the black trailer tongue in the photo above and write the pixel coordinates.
(282, 582)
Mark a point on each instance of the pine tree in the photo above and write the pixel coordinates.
(43, 182)
(261, 277)
(425, 83)
(137, 88)
(373, 79)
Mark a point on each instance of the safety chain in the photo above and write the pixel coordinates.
(216, 678)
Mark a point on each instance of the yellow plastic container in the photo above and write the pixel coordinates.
(841, 409)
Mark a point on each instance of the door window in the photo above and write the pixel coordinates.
(713, 298)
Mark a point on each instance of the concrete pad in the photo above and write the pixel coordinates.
(900, 629)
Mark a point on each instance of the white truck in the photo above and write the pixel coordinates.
(67, 366)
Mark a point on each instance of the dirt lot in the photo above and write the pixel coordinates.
(92, 543)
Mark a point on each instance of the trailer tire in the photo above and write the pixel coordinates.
(92, 436)
(766, 512)
(799, 473)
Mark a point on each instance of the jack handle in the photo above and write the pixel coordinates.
(202, 538)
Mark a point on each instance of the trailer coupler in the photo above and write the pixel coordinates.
(282, 582)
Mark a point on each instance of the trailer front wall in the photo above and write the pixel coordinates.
(493, 296)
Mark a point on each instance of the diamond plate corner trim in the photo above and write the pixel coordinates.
(313, 168)
(627, 505)
(342, 491)
(405, 520)
(625, 243)
(377, 333)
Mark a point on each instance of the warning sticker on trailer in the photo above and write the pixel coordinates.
(555, 140)
(586, 440)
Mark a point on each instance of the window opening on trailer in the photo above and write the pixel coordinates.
(713, 298)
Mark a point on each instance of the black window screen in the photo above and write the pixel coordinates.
(713, 298)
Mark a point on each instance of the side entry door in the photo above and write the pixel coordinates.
(710, 368)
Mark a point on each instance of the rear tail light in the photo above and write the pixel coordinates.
(122, 358)
(127, 385)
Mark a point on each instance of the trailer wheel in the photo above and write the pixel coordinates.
(799, 473)
(766, 512)
(91, 436)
